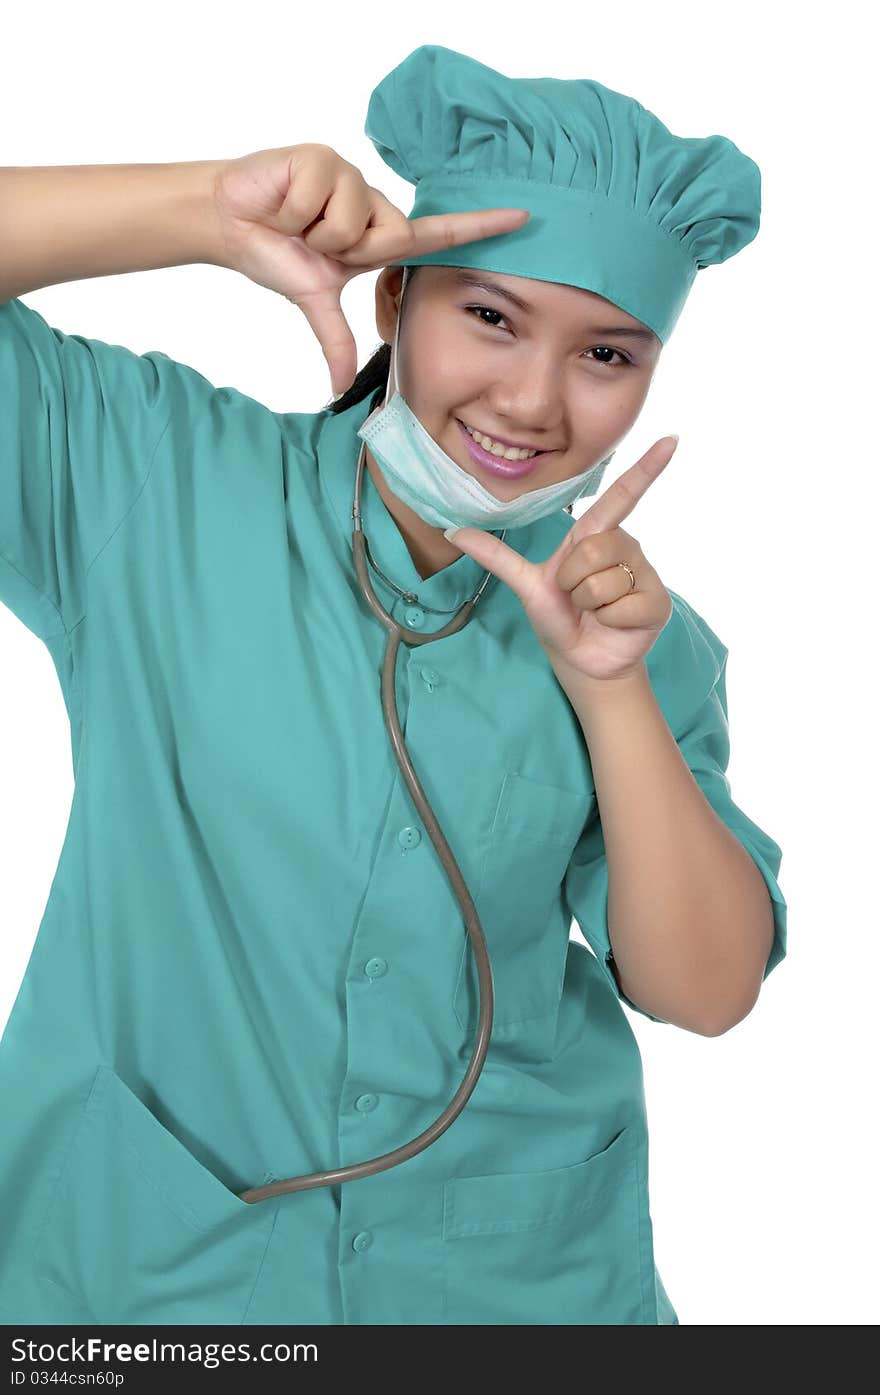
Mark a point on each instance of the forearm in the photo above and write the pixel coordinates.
(70, 222)
(690, 917)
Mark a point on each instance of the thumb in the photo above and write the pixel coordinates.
(493, 554)
(324, 313)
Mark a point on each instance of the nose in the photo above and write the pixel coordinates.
(527, 404)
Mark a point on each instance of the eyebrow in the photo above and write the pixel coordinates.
(467, 278)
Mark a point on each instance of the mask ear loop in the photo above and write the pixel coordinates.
(392, 376)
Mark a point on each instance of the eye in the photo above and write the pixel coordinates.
(598, 348)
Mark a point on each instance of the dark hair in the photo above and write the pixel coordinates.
(373, 375)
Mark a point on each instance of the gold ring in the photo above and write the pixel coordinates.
(632, 580)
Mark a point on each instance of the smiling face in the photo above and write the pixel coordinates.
(538, 364)
(565, 372)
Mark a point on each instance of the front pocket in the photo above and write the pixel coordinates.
(523, 915)
(571, 1245)
(138, 1230)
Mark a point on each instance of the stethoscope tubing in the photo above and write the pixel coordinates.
(396, 634)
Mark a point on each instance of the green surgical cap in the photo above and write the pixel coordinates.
(619, 205)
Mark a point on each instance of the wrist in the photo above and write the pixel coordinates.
(607, 705)
(215, 249)
(589, 688)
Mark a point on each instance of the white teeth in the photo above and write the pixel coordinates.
(495, 448)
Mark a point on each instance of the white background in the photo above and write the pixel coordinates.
(763, 1155)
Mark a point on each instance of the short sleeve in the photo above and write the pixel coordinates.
(688, 668)
(80, 422)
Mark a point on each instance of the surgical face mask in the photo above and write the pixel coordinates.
(430, 482)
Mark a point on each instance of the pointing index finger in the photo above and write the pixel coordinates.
(619, 500)
(436, 232)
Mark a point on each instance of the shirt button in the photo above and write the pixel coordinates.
(409, 837)
(366, 1102)
(414, 616)
(363, 1240)
(430, 678)
(375, 968)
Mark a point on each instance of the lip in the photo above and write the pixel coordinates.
(497, 465)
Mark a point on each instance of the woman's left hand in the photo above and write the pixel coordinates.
(588, 617)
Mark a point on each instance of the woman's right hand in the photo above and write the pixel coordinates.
(302, 221)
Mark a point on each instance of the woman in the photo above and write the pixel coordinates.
(252, 968)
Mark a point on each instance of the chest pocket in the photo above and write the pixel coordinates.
(138, 1230)
(521, 908)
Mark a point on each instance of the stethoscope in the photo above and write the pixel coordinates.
(396, 633)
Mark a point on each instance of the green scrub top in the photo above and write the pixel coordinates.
(251, 964)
